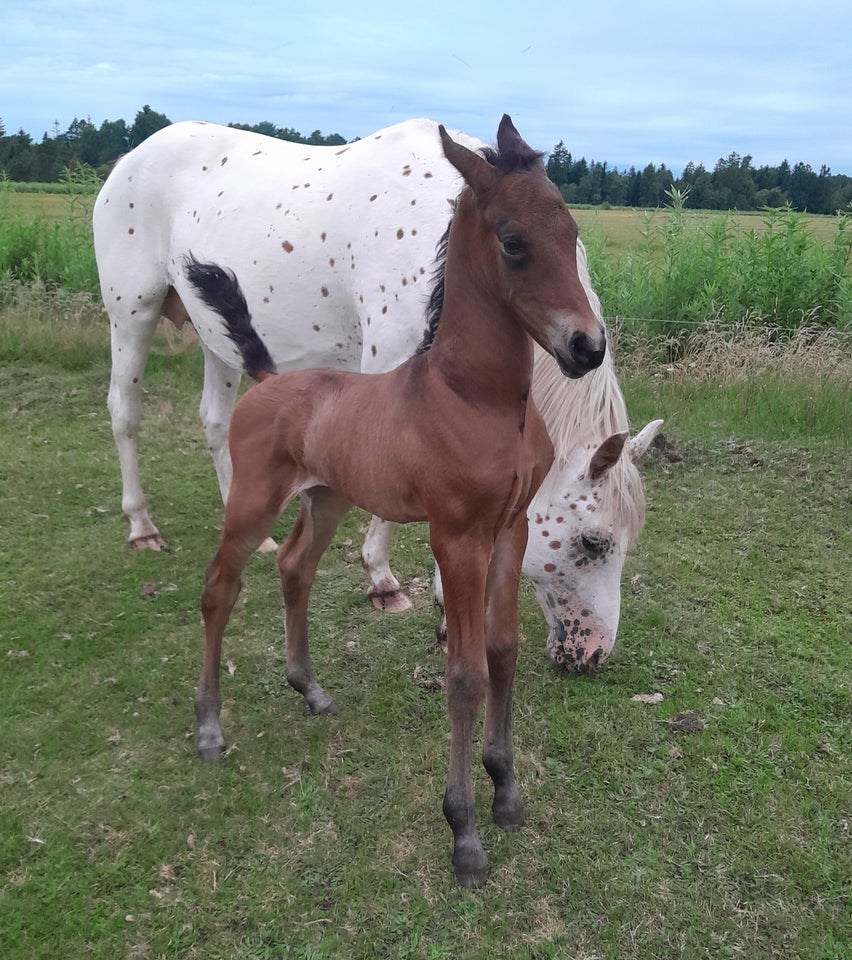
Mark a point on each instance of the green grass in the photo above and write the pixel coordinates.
(667, 271)
(324, 838)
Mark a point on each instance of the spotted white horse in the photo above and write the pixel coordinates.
(334, 247)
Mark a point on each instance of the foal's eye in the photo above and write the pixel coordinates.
(513, 246)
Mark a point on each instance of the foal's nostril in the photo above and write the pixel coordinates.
(586, 353)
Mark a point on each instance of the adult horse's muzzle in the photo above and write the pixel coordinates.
(581, 355)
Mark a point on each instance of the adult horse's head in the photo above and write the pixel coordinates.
(523, 218)
(584, 518)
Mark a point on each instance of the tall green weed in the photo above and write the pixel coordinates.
(692, 270)
(53, 254)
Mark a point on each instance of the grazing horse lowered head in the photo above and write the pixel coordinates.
(333, 247)
(449, 436)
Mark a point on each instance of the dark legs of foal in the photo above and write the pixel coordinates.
(321, 510)
(481, 656)
(244, 529)
(501, 647)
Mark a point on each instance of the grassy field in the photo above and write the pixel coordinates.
(622, 227)
(666, 271)
(712, 824)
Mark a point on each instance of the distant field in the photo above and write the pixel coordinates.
(53, 207)
(667, 270)
(622, 227)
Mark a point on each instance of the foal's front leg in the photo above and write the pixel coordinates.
(246, 524)
(501, 646)
(464, 563)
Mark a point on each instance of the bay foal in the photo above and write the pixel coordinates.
(468, 450)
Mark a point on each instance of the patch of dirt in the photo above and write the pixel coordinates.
(666, 449)
(686, 722)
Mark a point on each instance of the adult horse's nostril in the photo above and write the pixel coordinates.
(586, 353)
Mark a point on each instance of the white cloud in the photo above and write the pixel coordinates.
(616, 82)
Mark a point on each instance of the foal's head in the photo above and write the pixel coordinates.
(527, 247)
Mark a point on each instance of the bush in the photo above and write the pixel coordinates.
(691, 269)
(56, 254)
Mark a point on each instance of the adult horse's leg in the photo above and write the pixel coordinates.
(501, 647)
(320, 512)
(384, 590)
(218, 397)
(463, 562)
(438, 596)
(130, 339)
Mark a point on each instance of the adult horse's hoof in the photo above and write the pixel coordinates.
(441, 634)
(390, 601)
(152, 541)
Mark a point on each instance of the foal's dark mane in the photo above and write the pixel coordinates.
(521, 159)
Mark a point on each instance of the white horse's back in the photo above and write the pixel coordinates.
(333, 245)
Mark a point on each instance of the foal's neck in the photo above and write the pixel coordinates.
(480, 348)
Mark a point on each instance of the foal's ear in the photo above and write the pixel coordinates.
(476, 170)
(509, 141)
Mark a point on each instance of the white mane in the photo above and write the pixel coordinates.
(583, 413)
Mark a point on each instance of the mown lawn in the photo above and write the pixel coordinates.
(714, 823)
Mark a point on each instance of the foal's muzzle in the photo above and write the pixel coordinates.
(583, 354)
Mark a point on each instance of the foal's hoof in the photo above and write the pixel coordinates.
(509, 820)
(390, 601)
(211, 754)
(472, 879)
(268, 546)
(321, 704)
(469, 861)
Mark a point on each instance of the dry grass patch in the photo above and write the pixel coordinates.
(736, 353)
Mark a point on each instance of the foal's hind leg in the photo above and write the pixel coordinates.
(245, 527)
(321, 510)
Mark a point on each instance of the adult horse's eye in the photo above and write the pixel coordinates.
(592, 546)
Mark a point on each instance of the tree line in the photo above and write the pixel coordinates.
(733, 184)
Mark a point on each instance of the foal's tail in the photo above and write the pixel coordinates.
(219, 289)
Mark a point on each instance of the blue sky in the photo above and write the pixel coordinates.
(630, 83)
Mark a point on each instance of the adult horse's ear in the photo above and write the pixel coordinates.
(636, 446)
(606, 456)
(476, 170)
